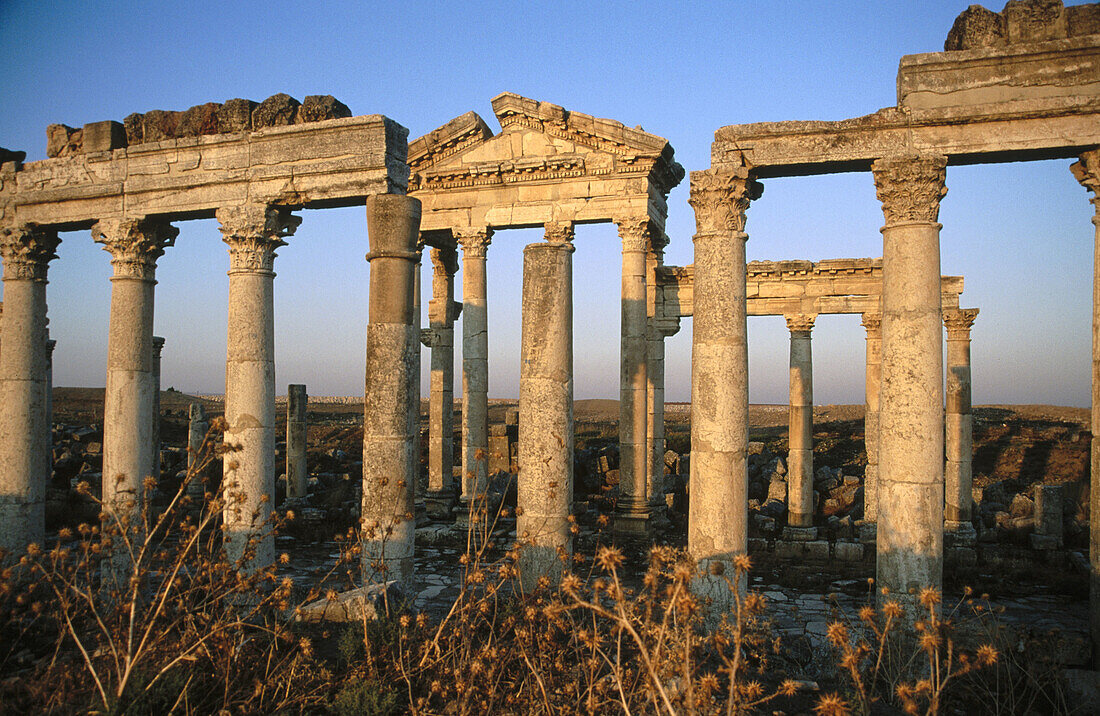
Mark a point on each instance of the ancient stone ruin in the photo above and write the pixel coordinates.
(1011, 86)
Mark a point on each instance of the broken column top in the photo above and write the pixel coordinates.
(1021, 21)
(235, 115)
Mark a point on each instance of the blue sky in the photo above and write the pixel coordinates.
(1020, 233)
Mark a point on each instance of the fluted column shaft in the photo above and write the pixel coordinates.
(800, 458)
(911, 423)
(24, 433)
(442, 312)
(545, 486)
(129, 400)
(633, 505)
(297, 471)
(475, 362)
(252, 233)
(718, 512)
(873, 323)
(1087, 171)
(959, 438)
(389, 443)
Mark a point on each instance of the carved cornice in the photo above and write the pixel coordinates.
(958, 323)
(637, 234)
(910, 188)
(474, 241)
(720, 199)
(558, 232)
(429, 338)
(27, 251)
(873, 323)
(801, 323)
(1087, 171)
(134, 245)
(253, 232)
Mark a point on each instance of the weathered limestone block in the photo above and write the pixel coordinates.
(318, 107)
(1048, 517)
(10, 155)
(134, 126)
(1021, 21)
(199, 120)
(103, 136)
(976, 27)
(63, 141)
(545, 486)
(275, 111)
(235, 115)
(160, 124)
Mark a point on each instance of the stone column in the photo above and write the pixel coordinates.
(873, 323)
(800, 458)
(442, 312)
(389, 444)
(196, 433)
(158, 346)
(633, 507)
(718, 508)
(958, 496)
(545, 485)
(414, 376)
(253, 232)
(475, 364)
(50, 345)
(128, 404)
(297, 473)
(1086, 171)
(911, 423)
(659, 329)
(24, 434)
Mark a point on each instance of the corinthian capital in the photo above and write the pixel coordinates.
(253, 232)
(1087, 171)
(27, 251)
(637, 234)
(801, 322)
(558, 232)
(873, 323)
(474, 241)
(910, 188)
(720, 199)
(134, 244)
(958, 322)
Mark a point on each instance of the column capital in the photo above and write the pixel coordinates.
(662, 327)
(720, 199)
(429, 337)
(27, 250)
(158, 346)
(558, 232)
(873, 323)
(637, 234)
(801, 322)
(474, 241)
(134, 244)
(910, 187)
(253, 232)
(958, 321)
(1087, 171)
(444, 263)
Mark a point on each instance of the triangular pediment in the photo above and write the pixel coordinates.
(538, 141)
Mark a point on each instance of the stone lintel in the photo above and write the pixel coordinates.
(338, 162)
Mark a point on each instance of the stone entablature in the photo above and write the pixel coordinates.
(778, 288)
(547, 164)
(337, 162)
(1034, 100)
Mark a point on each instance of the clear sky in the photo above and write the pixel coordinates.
(1020, 233)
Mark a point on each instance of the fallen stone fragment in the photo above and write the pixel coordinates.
(63, 140)
(369, 602)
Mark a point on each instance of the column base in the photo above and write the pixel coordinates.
(799, 534)
(638, 524)
(794, 519)
(1044, 542)
(961, 534)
